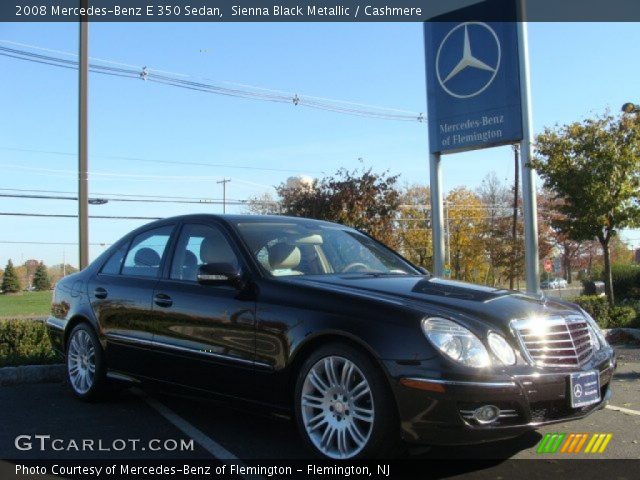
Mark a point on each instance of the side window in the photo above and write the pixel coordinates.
(145, 253)
(112, 266)
(198, 245)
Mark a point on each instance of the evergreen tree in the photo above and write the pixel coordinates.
(10, 282)
(41, 278)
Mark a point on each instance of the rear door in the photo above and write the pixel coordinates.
(121, 296)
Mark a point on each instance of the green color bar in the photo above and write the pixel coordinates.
(547, 448)
(556, 445)
(543, 443)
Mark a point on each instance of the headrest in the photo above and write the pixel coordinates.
(215, 249)
(190, 260)
(282, 255)
(146, 257)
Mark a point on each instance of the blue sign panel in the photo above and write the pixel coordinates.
(473, 85)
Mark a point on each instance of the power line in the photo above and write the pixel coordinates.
(167, 162)
(336, 106)
(54, 215)
(15, 242)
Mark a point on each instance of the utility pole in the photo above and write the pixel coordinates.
(224, 182)
(83, 145)
(514, 228)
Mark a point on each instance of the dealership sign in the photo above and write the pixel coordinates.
(473, 85)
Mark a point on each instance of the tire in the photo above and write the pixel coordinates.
(85, 365)
(344, 408)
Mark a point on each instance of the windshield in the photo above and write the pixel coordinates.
(310, 248)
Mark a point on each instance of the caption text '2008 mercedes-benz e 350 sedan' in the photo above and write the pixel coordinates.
(321, 321)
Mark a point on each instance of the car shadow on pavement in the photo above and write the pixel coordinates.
(495, 452)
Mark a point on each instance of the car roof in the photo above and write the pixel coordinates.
(233, 219)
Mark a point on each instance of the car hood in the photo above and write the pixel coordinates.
(493, 305)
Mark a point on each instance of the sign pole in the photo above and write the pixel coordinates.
(529, 203)
(435, 180)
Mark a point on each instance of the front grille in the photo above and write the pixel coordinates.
(555, 341)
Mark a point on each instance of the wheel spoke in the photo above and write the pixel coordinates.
(312, 401)
(327, 436)
(355, 433)
(359, 390)
(347, 372)
(364, 414)
(318, 382)
(342, 442)
(330, 371)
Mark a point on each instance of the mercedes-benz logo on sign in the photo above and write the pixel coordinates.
(468, 59)
(577, 390)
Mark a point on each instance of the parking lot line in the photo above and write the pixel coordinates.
(623, 410)
(206, 442)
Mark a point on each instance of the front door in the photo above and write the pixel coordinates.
(206, 333)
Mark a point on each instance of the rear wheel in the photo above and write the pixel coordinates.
(86, 373)
(343, 407)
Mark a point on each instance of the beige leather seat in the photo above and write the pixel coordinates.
(284, 259)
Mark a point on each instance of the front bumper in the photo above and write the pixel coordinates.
(432, 405)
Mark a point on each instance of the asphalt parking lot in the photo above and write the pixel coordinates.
(222, 430)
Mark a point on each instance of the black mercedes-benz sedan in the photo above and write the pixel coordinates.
(322, 322)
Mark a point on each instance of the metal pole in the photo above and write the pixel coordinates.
(83, 145)
(529, 204)
(435, 180)
(514, 226)
(224, 182)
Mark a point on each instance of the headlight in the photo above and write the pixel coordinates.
(456, 342)
(501, 349)
(597, 338)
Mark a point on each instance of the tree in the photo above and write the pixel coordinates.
(413, 232)
(10, 282)
(593, 169)
(41, 279)
(465, 217)
(263, 204)
(363, 199)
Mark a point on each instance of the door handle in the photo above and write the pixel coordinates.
(100, 293)
(163, 300)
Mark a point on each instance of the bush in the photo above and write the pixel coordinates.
(597, 307)
(25, 342)
(626, 281)
(622, 317)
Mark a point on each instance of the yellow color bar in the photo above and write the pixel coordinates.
(594, 437)
(596, 445)
(605, 443)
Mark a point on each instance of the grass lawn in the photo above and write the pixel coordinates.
(25, 304)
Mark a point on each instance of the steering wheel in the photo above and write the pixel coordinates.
(353, 265)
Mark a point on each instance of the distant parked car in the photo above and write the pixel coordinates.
(553, 283)
(547, 284)
(560, 283)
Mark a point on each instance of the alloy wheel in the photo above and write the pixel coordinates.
(81, 361)
(337, 407)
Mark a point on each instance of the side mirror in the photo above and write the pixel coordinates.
(423, 270)
(219, 274)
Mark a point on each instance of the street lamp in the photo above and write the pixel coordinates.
(630, 108)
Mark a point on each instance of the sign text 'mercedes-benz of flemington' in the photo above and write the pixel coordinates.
(473, 85)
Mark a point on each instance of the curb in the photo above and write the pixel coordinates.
(31, 374)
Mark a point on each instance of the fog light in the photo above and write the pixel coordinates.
(486, 414)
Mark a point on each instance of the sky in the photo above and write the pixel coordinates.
(577, 70)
